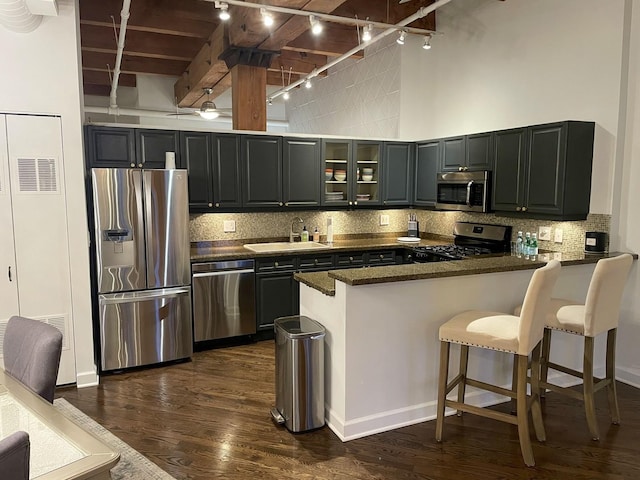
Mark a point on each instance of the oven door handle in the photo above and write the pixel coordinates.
(469, 185)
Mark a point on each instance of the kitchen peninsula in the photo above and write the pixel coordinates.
(382, 348)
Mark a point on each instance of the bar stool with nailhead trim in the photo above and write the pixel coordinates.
(518, 335)
(599, 314)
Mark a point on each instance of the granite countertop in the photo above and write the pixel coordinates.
(325, 281)
(216, 251)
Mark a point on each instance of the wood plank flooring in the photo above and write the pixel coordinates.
(209, 418)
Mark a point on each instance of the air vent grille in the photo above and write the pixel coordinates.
(37, 175)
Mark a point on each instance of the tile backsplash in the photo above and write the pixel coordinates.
(272, 225)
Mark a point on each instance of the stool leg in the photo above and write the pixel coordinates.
(544, 358)
(442, 387)
(612, 393)
(514, 383)
(536, 410)
(589, 403)
(464, 361)
(523, 413)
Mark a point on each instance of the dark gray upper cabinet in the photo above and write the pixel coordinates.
(213, 162)
(337, 160)
(552, 178)
(196, 157)
(152, 145)
(426, 169)
(365, 172)
(454, 155)
(227, 171)
(301, 167)
(262, 171)
(479, 151)
(397, 173)
(509, 169)
(110, 147)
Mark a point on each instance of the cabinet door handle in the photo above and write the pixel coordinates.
(518, 209)
(315, 261)
(524, 209)
(286, 204)
(211, 204)
(282, 204)
(350, 203)
(460, 169)
(355, 203)
(276, 264)
(217, 204)
(139, 165)
(133, 165)
(10, 279)
(381, 257)
(350, 259)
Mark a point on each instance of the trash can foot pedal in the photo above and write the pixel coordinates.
(277, 417)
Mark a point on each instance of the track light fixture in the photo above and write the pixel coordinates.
(401, 37)
(267, 18)
(269, 101)
(307, 83)
(427, 45)
(316, 26)
(224, 11)
(366, 32)
(286, 95)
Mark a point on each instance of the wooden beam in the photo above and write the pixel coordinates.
(95, 77)
(249, 98)
(205, 71)
(301, 62)
(98, 61)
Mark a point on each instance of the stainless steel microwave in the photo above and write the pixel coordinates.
(463, 191)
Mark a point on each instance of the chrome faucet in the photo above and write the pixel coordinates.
(292, 234)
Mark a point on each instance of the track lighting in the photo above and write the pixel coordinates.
(286, 95)
(316, 26)
(224, 11)
(270, 101)
(366, 32)
(267, 18)
(400, 40)
(307, 83)
(426, 45)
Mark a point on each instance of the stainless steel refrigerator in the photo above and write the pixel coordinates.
(142, 272)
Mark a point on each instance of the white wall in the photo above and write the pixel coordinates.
(41, 75)
(521, 62)
(628, 227)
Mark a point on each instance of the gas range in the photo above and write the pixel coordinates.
(470, 239)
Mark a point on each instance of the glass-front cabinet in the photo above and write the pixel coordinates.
(336, 156)
(351, 172)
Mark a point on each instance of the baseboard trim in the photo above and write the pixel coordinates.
(87, 379)
(628, 376)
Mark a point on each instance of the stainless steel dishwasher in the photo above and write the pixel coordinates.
(223, 299)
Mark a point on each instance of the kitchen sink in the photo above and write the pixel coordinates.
(284, 246)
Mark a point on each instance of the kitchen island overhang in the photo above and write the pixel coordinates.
(382, 347)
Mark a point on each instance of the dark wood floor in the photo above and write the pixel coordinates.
(209, 418)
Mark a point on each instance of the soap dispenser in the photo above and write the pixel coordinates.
(316, 235)
(304, 236)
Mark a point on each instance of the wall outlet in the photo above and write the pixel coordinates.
(229, 226)
(544, 233)
(384, 220)
(558, 236)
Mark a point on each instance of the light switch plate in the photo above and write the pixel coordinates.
(544, 233)
(558, 236)
(384, 219)
(229, 226)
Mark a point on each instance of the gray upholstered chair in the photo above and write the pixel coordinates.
(597, 315)
(31, 354)
(518, 335)
(14, 456)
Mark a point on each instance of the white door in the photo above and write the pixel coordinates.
(8, 282)
(36, 173)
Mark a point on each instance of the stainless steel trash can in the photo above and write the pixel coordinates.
(299, 373)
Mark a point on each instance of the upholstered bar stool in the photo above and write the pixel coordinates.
(597, 315)
(519, 335)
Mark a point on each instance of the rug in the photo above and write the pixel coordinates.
(132, 465)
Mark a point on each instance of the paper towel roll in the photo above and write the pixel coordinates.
(169, 160)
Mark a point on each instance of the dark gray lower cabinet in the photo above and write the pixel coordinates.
(277, 295)
(427, 165)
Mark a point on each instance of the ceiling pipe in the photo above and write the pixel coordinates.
(139, 112)
(16, 16)
(323, 16)
(124, 17)
(423, 12)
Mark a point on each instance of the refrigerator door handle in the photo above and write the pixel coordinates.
(129, 297)
(222, 272)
